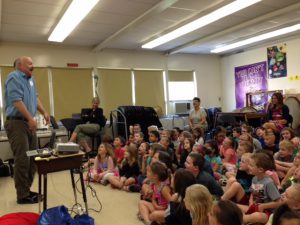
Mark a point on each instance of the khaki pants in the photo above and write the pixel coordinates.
(22, 139)
(84, 130)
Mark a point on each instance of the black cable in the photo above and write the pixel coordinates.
(93, 191)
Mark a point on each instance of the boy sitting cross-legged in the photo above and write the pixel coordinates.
(264, 193)
(238, 188)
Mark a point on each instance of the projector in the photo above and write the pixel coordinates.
(68, 147)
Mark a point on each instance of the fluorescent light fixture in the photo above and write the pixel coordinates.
(257, 38)
(201, 22)
(75, 13)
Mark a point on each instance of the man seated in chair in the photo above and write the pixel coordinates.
(94, 121)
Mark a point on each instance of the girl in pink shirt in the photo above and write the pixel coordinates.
(228, 153)
(104, 164)
(158, 174)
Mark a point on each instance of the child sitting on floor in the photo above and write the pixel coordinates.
(293, 179)
(119, 150)
(128, 170)
(213, 157)
(238, 188)
(264, 193)
(104, 164)
(296, 164)
(285, 155)
(228, 153)
(158, 174)
(270, 143)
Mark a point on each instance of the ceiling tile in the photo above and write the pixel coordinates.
(197, 5)
(31, 8)
(108, 18)
(127, 7)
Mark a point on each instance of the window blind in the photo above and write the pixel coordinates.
(115, 89)
(149, 88)
(72, 91)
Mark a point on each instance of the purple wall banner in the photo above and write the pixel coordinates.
(250, 78)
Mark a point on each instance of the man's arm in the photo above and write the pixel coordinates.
(20, 106)
(190, 122)
(43, 111)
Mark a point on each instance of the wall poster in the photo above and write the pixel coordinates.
(250, 78)
(277, 61)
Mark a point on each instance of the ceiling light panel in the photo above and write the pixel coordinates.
(75, 13)
(201, 22)
(257, 38)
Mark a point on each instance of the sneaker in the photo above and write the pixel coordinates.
(31, 199)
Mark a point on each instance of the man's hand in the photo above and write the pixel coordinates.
(32, 124)
(47, 118)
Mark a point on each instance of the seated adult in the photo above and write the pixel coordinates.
(277, 114)
(94, 119)
(197, 117)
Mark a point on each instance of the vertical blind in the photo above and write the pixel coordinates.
(72, 91)
(115, 89)
(149, 88)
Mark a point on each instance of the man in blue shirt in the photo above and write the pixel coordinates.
(21, 105)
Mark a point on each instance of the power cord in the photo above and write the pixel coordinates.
(89, 186)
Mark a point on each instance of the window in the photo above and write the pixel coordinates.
(181, 85)
(181, 90)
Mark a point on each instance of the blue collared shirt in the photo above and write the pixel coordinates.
(19, 87)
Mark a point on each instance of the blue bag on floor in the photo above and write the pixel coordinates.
(59, 215)
(83, 220)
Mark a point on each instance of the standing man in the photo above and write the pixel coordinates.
(21, 104)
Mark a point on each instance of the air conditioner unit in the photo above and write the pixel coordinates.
(182, 107)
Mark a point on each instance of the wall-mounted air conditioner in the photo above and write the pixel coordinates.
(182, 107)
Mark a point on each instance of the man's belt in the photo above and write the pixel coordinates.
(16, 118)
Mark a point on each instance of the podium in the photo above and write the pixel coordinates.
(254, 119)
(57, 163)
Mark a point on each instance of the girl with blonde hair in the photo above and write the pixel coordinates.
(198, 201)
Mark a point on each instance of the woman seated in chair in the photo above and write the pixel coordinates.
(277, 114)
(94, 119)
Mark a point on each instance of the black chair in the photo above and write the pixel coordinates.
(53, 122)
(290, 120)
(96, 140)
(69, 124)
